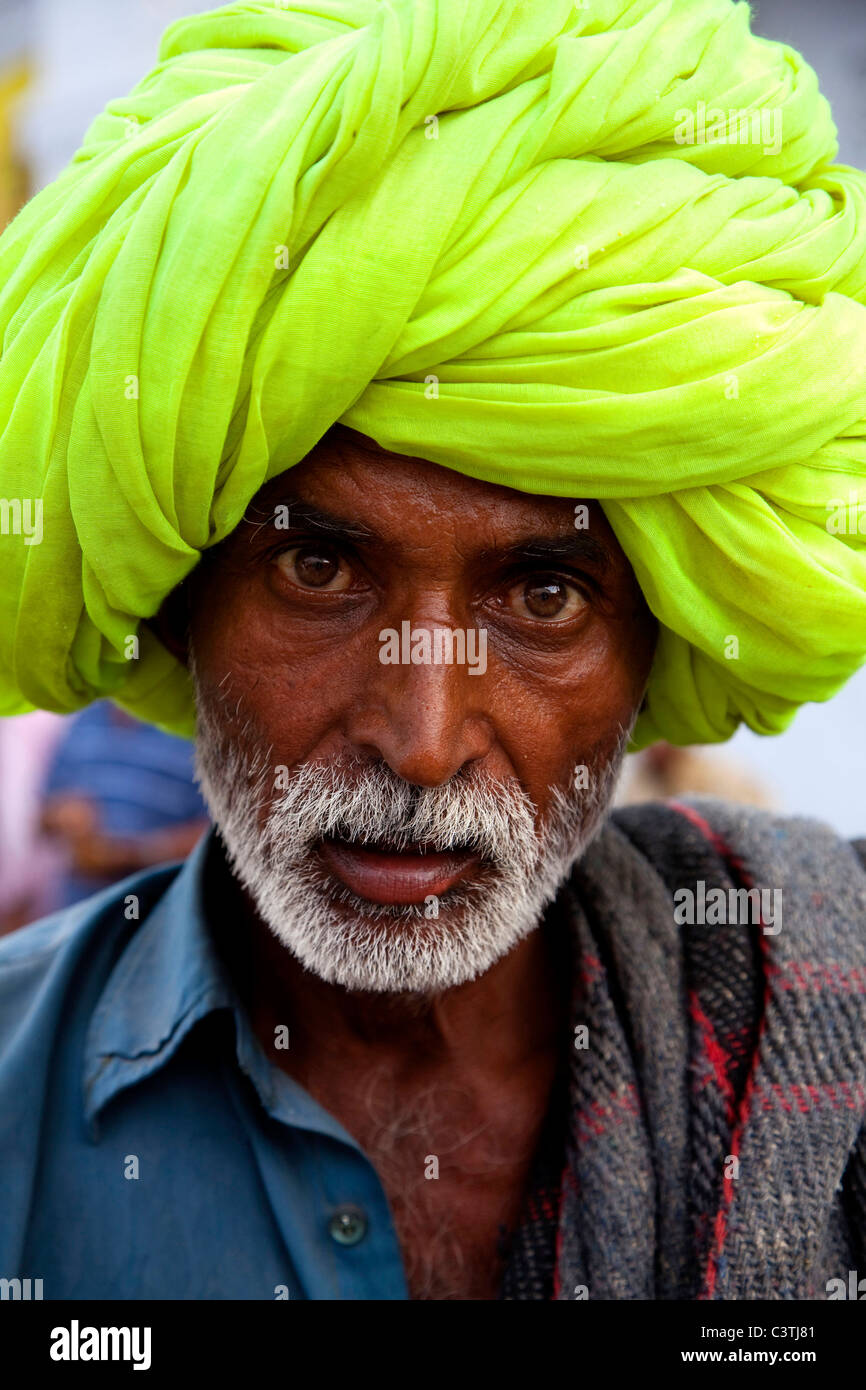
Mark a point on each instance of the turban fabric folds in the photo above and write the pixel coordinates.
(508, 236)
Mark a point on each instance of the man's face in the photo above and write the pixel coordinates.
(414, 691)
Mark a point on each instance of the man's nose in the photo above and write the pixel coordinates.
(427, 720)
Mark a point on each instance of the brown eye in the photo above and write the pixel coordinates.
(315, 567)
(551, 600)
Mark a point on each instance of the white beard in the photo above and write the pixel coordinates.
(270, 838)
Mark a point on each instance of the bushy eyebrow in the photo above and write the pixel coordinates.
(547, 550)
(532, 550)
(312, 518)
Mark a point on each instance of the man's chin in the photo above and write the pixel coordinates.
(396, 948)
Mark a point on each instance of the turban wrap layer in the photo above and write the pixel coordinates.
(484, 234)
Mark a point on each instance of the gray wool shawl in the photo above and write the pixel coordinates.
(647, 1092)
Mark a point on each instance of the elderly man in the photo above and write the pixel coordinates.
(416, 405)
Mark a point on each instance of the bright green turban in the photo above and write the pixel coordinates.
(589, 250)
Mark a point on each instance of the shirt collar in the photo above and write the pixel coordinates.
(167, 979)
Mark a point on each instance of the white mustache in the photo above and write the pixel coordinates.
(367, 803)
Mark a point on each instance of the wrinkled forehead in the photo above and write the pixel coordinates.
(350, 485)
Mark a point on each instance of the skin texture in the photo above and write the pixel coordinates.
(465, 1075)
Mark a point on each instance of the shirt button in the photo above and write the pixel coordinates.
(348, 1225)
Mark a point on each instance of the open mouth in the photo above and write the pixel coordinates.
(384, 872)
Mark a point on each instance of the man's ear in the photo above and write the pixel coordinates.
(171, 623)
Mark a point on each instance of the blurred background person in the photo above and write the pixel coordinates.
(664, 771)
(30, 864)
(119, 797)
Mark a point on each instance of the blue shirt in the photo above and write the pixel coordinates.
(149, 1149)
